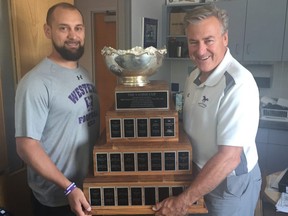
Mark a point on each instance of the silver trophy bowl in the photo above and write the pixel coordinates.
(134, 66)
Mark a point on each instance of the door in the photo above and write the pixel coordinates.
(104, 35)
(31, 44)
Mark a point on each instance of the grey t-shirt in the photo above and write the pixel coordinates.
(60, 108)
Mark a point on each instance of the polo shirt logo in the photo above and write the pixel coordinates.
(203, 102)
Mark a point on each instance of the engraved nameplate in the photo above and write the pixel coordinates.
(115, 128)
(183, 160)
(177, 190)
(170, 161)
(115, 162)
(142, 100)
(122, 196)
(102, 162)
(142, 161)
(129, 128)
(109, 196)
(155, 127)
(169, 127)
(163, 193)
(142, 127)
(150, 195)
(155, 95)
(136, 196)
(95, 196)
(129, 162)
(156, 161)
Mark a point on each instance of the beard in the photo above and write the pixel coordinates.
(69, 55)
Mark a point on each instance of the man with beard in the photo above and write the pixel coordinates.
(51, 99)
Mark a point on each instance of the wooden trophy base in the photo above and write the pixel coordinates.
(139, 126)
(132, 195)
(143, 158)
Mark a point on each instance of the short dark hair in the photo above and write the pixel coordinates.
(64, 5)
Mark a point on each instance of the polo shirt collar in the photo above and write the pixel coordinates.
(218, 73)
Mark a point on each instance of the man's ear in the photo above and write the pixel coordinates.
(226, 38)
(47, 30)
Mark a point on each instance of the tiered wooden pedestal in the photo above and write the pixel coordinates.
(138, 126)
(143, 157)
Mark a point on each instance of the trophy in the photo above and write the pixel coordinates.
(133, 66)
(143, 157)
(147, 114)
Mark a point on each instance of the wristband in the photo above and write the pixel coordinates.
(70, 188)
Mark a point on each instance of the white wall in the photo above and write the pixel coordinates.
(180, 70)
(279, 82)
(150, 9)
